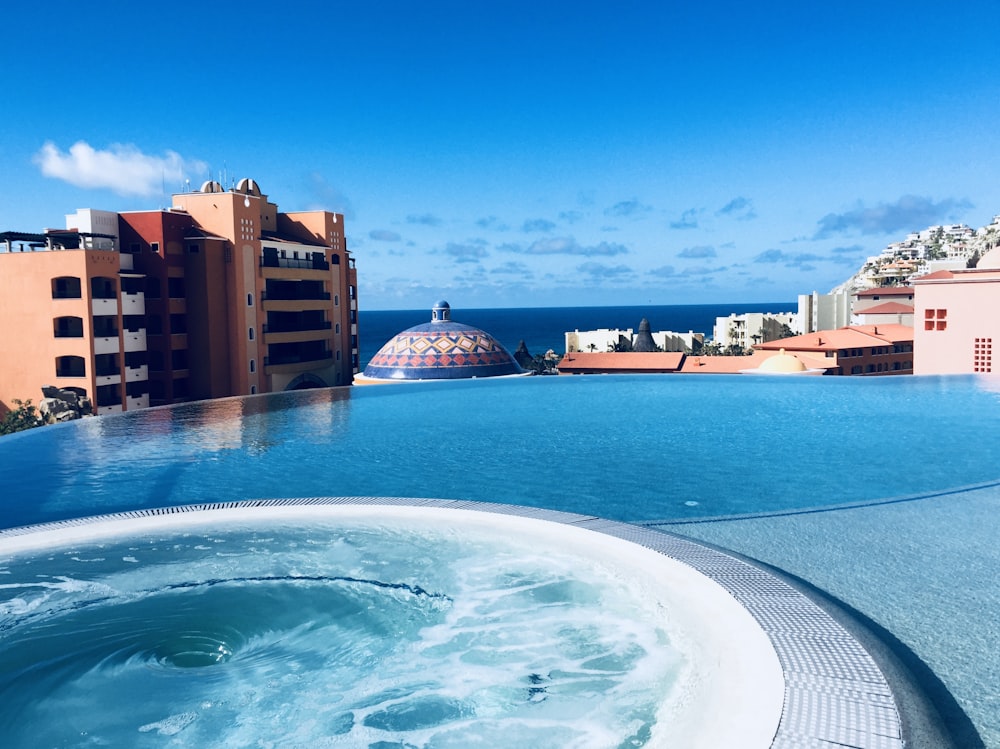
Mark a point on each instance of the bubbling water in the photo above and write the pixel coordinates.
(329, 634)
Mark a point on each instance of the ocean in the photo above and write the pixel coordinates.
(544, 328)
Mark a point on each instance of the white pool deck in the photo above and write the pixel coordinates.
(778, 670)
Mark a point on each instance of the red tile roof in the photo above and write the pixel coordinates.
(853, 336)
(598, 362)
(936, 275)
(695, 364)
(887, 308)
(887, 291)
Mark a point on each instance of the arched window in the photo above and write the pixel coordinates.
(253, 366)
(68, 327)
(250, 333)
(71, 366)
(103, 288)
(66, 287)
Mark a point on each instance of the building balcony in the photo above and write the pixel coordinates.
(134, 402)
(136, 374)
(104, 307)
(134, 304)
(296, 327)
(297, 336)
(294, 305)
(297, 358)
(106, 344)
(135, 340)
(292, 363)
(282, 296)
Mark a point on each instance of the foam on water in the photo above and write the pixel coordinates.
(347, 633)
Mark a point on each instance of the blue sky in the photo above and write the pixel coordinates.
(524, 153)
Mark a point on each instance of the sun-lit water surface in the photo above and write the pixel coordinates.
(626, 448)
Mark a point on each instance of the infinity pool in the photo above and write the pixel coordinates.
(625, 448)
(660, 451)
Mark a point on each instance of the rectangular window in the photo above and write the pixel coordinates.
(154, 246)
(178, 323)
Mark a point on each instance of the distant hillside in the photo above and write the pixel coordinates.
(944, 247)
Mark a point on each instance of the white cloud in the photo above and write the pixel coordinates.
(122, 168)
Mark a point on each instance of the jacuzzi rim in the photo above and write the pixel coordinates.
(802, 643)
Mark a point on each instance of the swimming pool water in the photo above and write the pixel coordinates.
(640, 448)
(626, 448)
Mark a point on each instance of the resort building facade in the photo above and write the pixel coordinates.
(218, 295)
(855, 349)
(957, 316)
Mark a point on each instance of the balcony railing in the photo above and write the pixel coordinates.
(270, 361)
(292, 262)
(296, 327)
(296, 297)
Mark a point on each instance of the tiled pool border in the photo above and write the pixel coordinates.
(835, 694)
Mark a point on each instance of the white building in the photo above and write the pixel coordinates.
(605, 339)
(824, 311)
(599, 340)
(744, 330)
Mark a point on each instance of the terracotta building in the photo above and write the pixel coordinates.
(854, 350)
(219, 295)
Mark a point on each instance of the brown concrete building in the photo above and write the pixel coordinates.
(219, 295)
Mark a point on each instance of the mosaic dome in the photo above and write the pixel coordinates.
(441, 350)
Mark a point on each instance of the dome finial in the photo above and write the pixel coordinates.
(441, 312)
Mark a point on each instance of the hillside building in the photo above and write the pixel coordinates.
(883, 306)
(218, 295)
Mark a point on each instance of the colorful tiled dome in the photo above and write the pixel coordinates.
(441, 350)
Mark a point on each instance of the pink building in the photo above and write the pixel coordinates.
(957, 317)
